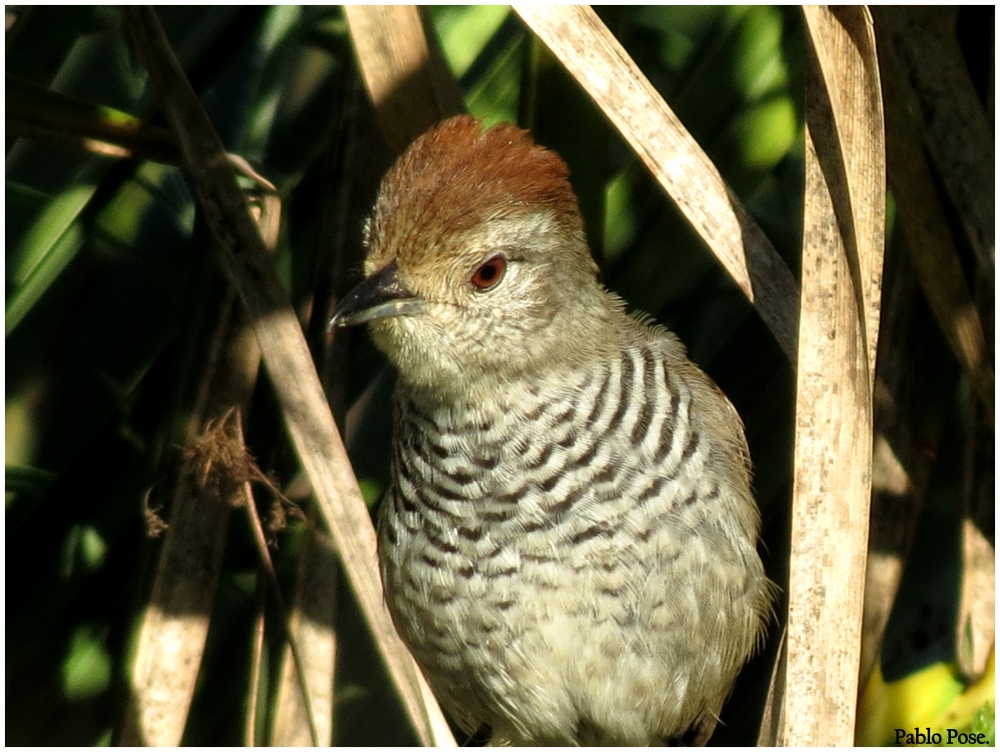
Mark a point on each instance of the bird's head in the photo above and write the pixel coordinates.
(477, 268)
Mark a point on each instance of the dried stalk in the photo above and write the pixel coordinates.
(841, 275)
(286, 358)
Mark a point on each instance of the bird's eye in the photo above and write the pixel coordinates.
(488, 276)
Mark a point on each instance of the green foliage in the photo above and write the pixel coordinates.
(984, 722)
(86, 669)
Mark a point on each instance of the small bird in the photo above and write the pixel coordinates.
(568, 542)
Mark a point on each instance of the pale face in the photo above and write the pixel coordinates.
(495, 299)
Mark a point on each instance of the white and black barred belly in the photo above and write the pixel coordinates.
(546, 555)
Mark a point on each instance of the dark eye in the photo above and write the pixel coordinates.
(488, 276)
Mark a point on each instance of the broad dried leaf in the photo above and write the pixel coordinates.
(925, 225)
(955, 128)
(841, 272)
(175, 624)
(406, 77)
(311, 626)
(592, 55)
(287, 359)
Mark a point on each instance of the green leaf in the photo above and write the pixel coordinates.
(86, 669)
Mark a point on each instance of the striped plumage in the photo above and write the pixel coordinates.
(568, 544)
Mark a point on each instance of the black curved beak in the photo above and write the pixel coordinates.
(380, 296)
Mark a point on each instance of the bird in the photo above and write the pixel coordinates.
(568, 542)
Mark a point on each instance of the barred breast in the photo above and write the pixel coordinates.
(548, 556)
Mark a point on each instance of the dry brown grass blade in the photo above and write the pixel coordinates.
(591, 54)
(956, 130)
(271, 578)
(175, 623)
(174, 626)
(844, 37)
(286, 358)
(898, 472)
(771, 721)
(894, 513)
(833, 426)
(123, 140)
(256, 669)
(977, 608)
(405, 75)
(930, 103)
(311, 627)
(925, 225)
(931, 107)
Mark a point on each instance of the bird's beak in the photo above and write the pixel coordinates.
(380, 296)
